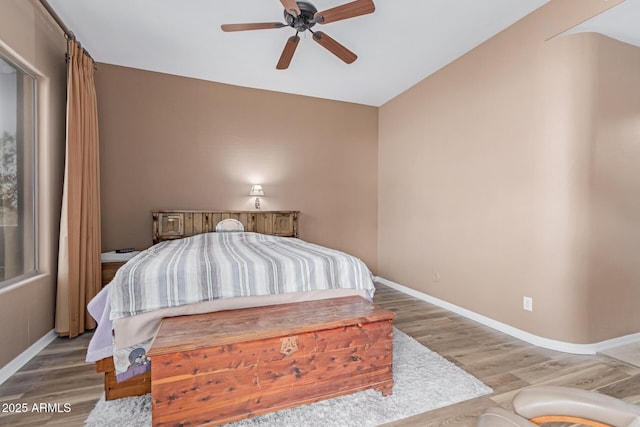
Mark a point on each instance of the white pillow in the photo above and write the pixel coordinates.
(229, 225)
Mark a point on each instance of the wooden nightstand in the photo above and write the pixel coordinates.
(111, 262)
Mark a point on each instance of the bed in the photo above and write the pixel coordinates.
(205, 262)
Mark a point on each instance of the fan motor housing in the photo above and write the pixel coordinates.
(305, 20)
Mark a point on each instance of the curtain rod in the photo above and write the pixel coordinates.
(67, 32)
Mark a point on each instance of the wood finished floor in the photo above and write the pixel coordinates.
(59, 374)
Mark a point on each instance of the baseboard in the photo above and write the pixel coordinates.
(12, 367)
(515, 332)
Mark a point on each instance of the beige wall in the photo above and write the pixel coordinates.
(509, 173)
(33, 39)
(171, 142)
(613, 264)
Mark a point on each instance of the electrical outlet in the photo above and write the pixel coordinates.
(527, 303)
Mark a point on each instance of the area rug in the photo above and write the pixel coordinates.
(423, 380)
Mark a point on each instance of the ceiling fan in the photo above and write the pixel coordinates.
(301, 16)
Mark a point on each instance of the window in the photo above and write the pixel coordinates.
(17, 173)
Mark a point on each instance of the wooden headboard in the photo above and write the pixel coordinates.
(168, 225)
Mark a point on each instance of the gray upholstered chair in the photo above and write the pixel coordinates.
(539, 405)
(498, 417)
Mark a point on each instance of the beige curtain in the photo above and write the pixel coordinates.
(79, 274)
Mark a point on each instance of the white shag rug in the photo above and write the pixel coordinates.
(423, 381)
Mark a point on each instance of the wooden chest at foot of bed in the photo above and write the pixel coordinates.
(220, 367)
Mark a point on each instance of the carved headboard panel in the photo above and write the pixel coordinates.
(177, 224)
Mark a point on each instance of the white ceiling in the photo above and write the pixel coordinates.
(398, 45)
(621, 22)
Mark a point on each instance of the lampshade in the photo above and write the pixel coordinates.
(256, 190)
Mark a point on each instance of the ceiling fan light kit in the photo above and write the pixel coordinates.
(302, 16)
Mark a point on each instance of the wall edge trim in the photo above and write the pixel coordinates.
(539, 341)
(23, 358)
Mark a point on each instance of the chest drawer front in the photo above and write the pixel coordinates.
(169, 226)
(251, 378)
(283, 225)
(109, 270)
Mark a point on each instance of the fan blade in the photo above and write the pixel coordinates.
(291, 6)
(334, 47)
(345, 11)
(287, 53)
(252, 26)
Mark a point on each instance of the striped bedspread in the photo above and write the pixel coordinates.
(227, 265)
